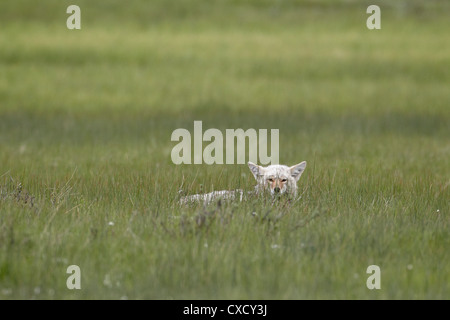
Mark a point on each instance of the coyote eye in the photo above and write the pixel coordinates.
(283, 180)
(270, 179)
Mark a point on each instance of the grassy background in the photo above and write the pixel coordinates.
(86, 176)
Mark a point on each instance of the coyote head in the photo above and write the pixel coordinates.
(278, 179)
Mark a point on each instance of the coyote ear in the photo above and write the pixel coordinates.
(256, 170)
(297, 170)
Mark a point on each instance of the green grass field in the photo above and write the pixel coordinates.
(86, 177)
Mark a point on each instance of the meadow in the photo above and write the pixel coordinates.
(86, 176)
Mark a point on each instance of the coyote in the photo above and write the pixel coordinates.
(276, 180)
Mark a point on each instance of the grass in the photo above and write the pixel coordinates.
(86, 176)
